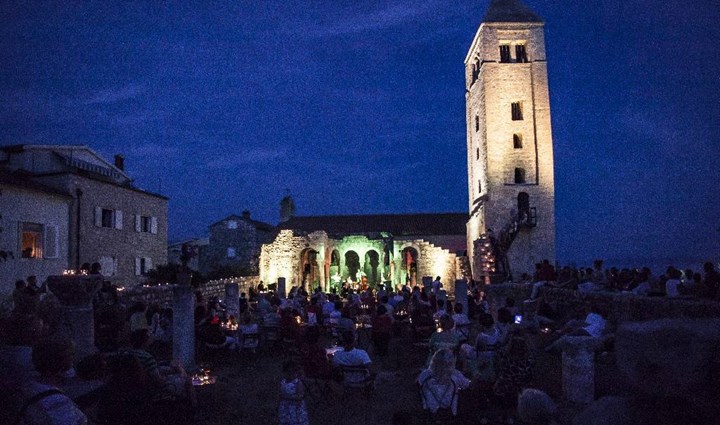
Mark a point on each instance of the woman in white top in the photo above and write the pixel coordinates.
(441, 382)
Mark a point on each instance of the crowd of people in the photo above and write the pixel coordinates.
(639, 281)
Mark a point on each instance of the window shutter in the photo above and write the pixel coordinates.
(98, 216)
(137, 266)
(148, 264)
(118, 219)
(51, 241)
(138, 227)
(153, 225)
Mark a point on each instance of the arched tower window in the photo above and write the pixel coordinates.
(519, 176)
(523, 206)
(517, 141)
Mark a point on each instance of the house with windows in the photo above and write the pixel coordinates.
(234, 245)
(109, 221)
(33, 230)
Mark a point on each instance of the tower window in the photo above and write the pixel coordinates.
(517, 141)
(519, 176)
(477, 123)
(520, 54)
(517, 114)
(475, 71)
(504, 53)
(479, 186)
(477, 154)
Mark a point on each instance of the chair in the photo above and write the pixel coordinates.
(439, 399)
(271, 334)
(250, 341)
(463, 331)
(357, 378)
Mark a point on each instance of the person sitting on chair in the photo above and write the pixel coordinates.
(351, 356)
(440, 382)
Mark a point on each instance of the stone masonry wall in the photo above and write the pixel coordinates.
(617, 307)
(163, 296)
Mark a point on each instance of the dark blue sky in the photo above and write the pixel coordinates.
(358, 107)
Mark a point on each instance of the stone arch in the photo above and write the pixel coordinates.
(352, 265)
(409, 257)
(309, 269)
(334, 275)
(371, 267)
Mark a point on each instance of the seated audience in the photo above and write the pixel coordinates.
(437, 378)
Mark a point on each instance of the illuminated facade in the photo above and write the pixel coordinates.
(509, 143)
(365, 250)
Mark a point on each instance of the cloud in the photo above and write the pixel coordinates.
(153, 150)
(254, 156)
(389, 17)
(114, 95)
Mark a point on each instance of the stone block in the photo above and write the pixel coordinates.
(672, 359)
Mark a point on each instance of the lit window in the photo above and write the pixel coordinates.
(504, 53)
(32, 240)
(232, 224)
(231, 252)
(517, 114)
(517, 141)
(519, 176)
(520, 54)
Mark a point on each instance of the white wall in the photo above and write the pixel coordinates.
(19, 205)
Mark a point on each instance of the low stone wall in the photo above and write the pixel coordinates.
(617, 307)
(162, 294)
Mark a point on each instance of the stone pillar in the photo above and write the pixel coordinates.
(461, 294)
(578, 368)
(75, 294)
(282, 292)
(184, 325)
(232, 298)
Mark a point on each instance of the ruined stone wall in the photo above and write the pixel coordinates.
(162, 294)
(617, 307)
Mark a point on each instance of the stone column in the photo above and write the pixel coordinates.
(232, 298)
(75, 294)
(184, 325)
(281, 290)
(461, 294)
(578, 368)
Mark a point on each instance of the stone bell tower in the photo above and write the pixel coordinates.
(509, 144)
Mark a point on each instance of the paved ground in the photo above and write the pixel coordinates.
(247, 389)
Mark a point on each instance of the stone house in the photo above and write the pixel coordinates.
(392, 249)
(110, 221)
(234, 244)
(33, 230)
(192, 248)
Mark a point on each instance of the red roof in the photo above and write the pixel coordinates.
(395, 224)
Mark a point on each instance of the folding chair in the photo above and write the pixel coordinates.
(250, 341)
(439, 399)
(357, 379)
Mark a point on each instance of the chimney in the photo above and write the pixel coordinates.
(246, 215)
(120, 162)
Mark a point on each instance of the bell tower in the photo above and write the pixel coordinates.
(509, 144)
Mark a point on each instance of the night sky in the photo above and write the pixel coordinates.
(358, 107)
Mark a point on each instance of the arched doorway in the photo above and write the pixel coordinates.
(523, 207)
(372, 261)
(334, 275)
(409, 266)
(309, 269)
(352, 266)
